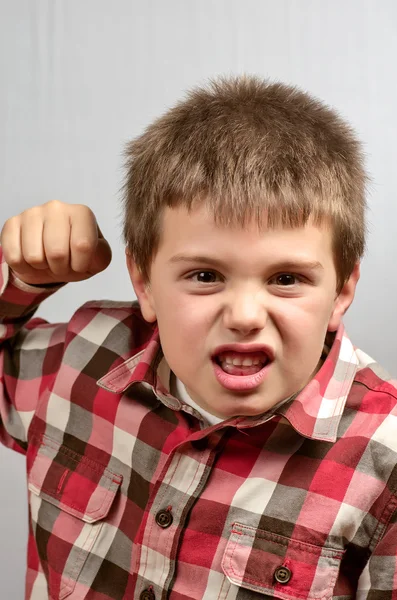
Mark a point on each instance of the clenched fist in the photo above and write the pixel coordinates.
(54, 243)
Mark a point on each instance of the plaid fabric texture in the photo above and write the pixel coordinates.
(130, 497)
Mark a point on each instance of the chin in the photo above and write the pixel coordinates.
(246, 410)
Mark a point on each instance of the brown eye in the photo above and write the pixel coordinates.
(285, 279)
(205, 276)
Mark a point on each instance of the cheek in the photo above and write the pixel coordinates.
(187, 310)
(304, 323)
(184, 338)
(184, 323)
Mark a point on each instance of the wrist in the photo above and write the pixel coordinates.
(36, 285)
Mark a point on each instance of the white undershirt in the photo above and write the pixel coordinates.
(181, 394)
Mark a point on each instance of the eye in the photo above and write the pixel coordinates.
(286, 279)
(204, 276)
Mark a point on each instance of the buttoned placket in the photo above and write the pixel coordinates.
(183, 478)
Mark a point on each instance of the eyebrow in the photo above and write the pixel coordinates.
(290, 264)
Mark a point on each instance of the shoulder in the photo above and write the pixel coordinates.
(371, 407)
(109, 308)
(119, 326)
(373, 376)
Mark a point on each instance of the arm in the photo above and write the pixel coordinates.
(25, 343)
(41, 250)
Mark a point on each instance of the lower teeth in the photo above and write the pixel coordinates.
(227, 367)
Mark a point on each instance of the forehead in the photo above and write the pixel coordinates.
(195, 233)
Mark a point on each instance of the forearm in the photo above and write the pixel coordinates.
(18, 300)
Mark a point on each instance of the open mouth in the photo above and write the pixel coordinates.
(242, 367)
(241, 363)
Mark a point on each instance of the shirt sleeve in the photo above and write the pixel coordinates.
(379, 577)
(30, 354)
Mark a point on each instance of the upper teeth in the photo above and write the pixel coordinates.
(239, 362)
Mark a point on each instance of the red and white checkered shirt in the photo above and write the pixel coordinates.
(131, 497)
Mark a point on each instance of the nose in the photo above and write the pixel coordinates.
(245, 312)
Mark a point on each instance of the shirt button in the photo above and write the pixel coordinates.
(282, 574)
(147, 595)
(164, 518)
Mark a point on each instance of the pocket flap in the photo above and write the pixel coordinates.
(76, 484)
(254, 558)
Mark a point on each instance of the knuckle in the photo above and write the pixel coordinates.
(3, 233)
(55, 204)
(83, 207)
(33, 258)
(11, 222)
(12, 259)
(82, 210)
(33, 211)
(56, 254)
(82, 245)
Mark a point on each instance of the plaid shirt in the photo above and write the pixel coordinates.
(132, 497)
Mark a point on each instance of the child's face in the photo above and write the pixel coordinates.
(212, 286)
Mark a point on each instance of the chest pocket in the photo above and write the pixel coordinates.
(278, 566)
(70, 496)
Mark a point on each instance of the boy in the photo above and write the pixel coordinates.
(222, 439)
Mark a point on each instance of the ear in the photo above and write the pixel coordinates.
(344, 299)
(142, 289)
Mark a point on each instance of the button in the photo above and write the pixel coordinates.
(147, 595)
(164, 518)
(282, 574)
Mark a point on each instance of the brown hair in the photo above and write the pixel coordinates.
(249, 149)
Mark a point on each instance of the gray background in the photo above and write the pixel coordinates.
(80, 77)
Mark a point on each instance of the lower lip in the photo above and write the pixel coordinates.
(240, 383)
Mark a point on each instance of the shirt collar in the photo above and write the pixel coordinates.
(314, 412)
(147, 367)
